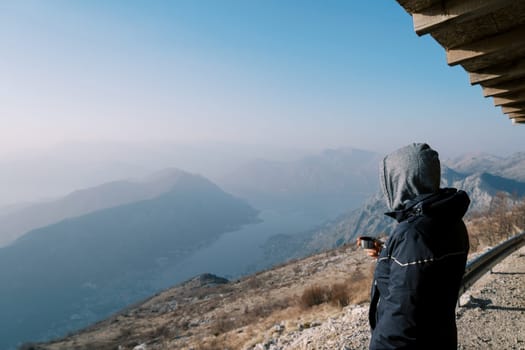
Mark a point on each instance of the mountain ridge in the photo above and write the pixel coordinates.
(84, 201)
(72, 273)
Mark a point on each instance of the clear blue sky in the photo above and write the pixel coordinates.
(304, 74)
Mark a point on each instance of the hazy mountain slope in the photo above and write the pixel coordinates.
(70, 274)
(474, 162)
(17, 222)
(58, 174)
(325, 184)
(511, 167)
(370, 219)
(482, 187)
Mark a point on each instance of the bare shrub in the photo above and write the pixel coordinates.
(339, 294)
(314, 295)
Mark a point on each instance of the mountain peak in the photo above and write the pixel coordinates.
(166, 174)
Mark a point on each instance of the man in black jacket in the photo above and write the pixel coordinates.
(419, 270)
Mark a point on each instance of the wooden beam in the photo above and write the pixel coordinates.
(504, 89)
(516, 115)
(441, 14)
(513, 109)
(507, 42)
(495, 75)
(508, 102)
(518, 120)
(513, 99)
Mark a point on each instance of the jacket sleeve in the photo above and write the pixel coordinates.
(397, 322)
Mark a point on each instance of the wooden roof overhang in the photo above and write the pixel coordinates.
(485, 37)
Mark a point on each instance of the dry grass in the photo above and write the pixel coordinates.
(339, 294)
(355, 290)
(504, 218)
(269, 298)
(314, 295)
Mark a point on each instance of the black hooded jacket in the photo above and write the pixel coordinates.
(418, 274)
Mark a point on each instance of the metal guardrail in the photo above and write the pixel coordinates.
(477, 267)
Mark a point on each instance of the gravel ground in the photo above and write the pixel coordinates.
(492, 316)
(347, 331)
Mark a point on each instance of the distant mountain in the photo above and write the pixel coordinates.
(482, 187)
(15, 222)
(58, 175)
(511, 167)
(68, 166)
(370, 219)
(72, 273)
(325, 184)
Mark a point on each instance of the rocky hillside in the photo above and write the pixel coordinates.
(277, 310)
(370, 220)
(209, 313)
(512, 167)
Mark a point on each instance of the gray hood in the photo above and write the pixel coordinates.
(408, 172)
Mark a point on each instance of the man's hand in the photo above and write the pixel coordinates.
(372, 252)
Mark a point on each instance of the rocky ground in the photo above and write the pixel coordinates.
(348, 330)
(493, 311)
(491, 316)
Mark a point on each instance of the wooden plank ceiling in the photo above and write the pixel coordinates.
(485, 37)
